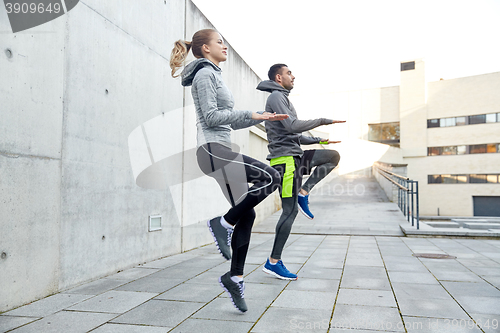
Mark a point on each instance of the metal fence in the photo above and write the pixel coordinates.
(407, 194)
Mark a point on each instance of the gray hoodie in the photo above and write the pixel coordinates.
(285, 136)
(215, 116)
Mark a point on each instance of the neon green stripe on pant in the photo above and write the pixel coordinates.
(287, 182)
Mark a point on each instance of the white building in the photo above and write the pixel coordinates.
(446, 132)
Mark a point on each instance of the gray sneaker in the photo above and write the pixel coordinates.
(236, 291)
(222, 237)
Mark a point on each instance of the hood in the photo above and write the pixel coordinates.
(271, 86)
(193, 67)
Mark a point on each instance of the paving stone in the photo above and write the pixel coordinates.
(48, 305)
(96, 287)
(308, 300)
(223, 309)
(477, 304)
(432, 308)
(367, 317)
(162, 263)
(365, 283)
(113, 301)
(366, 297)
(134, 273)
(314, 285)
(159, 313)
(325, 263)
(9, 322)
(192, 293)
(419, 291)
(351, 272)
(457, 276)
(494, 280)
(150, 284)
(211, 326)
(412, 277)
(471, 289)
(313, 272)
(488, 323)
(67, 321)
(260, 291)
(290, 320)
(490, 271)
(360, 259)
(434, 325)
(123, 328)
(179, 271)
(258, 276)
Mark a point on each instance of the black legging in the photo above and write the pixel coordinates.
(233, 172)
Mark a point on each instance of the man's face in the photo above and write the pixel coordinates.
(285, 78)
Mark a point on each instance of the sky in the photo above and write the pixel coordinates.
(340, 45)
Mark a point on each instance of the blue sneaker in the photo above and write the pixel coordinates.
(279, 270)
(304, 206)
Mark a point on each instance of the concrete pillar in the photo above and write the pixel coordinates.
(413, 109)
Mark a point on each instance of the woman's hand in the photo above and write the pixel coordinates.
(269, 116)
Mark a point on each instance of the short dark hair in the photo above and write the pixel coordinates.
(274, 70)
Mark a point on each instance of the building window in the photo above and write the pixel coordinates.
(477, 149)
(492, 179)
(464, 120)
(406, 66)
(462, 150)
(451, 150)
(434, 179)
(491, 148)
(387, 133)
(461, 121)
(464, 179)
(433, 123)
(477, 119)
(448, 122)
(491, 118)
(434, 151)
(477, 179)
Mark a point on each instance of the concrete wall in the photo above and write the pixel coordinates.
(84, 92)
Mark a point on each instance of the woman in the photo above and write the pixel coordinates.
(233, 171)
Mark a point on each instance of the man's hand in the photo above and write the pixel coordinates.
(269, 116)
(326, 142)
(338, 121)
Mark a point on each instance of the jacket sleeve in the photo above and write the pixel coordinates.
(206, 85)
(279, 103)
(245, 123)
(309, 140)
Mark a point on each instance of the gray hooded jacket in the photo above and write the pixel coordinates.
(285, 136)
(215, 116)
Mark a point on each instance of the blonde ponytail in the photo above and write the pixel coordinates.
(181, 48)
(178, 55)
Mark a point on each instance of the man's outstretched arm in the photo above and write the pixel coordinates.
(280, 105)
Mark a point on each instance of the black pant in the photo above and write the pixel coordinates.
(233, 172)
(325, 161)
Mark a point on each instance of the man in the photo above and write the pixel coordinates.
(291, 161)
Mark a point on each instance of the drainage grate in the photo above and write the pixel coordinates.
(433, 256)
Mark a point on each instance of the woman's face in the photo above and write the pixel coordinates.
(215, 50)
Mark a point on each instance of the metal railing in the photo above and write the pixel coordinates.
(407, 194)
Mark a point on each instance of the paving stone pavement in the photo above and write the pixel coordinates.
(347, 283)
